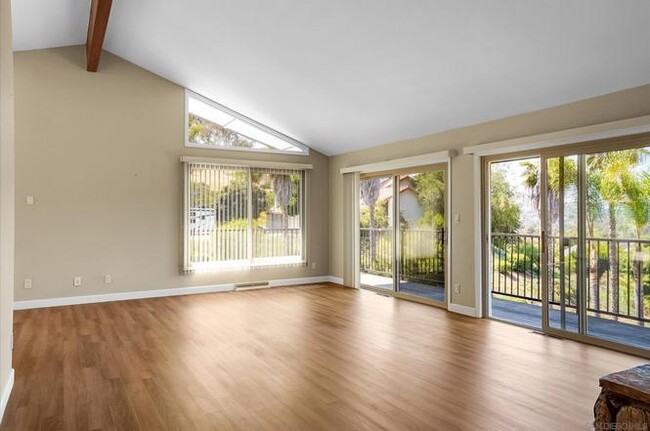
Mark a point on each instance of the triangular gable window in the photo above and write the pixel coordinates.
(211, 125)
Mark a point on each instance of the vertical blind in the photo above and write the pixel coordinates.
(243, 216)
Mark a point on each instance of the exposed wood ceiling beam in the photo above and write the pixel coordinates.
(99, 13)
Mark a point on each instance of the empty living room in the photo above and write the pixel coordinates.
(324, 215)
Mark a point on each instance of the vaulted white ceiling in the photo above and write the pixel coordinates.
(344, 75)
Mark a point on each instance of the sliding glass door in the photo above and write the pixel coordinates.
(561, 234)
(617, 245)
(597, 245)
(422, 234)
(376, 232)
(513, 276)
(568, 244)
(403, 232)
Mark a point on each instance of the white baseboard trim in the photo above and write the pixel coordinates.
(6, 392)
(121, 296)
(464, 310)
(158, 293)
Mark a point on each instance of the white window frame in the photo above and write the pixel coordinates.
(304, 150)
(251, 262)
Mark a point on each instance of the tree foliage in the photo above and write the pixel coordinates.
(612, 168)
(279, 193)
(430, 189)
(203, 131)
(504, 211)
(637, 204)
(556, 183)
(380, 219)
(612, 184)
(369, 190)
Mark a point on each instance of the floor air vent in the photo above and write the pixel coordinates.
(252, 286)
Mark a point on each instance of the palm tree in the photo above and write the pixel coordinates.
(605, 174)
(612, 167)
(532, 183)
(594, 212)
(637, 190)
(369, 190)
(561, 173)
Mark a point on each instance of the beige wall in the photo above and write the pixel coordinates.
(100, 154)
(616, 106)
(6, 193)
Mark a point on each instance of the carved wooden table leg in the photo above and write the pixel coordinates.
(603, 413)
(624, 401)
(633, 417)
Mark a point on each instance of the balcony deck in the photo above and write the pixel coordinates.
(437, 293)
(531, 315)
(522, 313)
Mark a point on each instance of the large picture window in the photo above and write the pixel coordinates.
(211, 125)
(238, 216)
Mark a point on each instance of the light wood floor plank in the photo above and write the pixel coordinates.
(317, 357)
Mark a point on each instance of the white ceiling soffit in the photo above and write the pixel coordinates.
(341, 75)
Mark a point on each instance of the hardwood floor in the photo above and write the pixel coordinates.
(316, 357)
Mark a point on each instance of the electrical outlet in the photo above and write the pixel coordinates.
(27, 284)
(108, 279)
(313, 265)
(456, 288)
(76, 281)
(29, 200)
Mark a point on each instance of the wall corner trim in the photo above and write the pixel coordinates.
(6, 392)
(159, 293)
(336, 280)
(464, 310)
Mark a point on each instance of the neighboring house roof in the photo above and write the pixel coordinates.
(386, 191)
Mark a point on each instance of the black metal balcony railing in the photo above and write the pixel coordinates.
(620, 291)
(422, 254)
